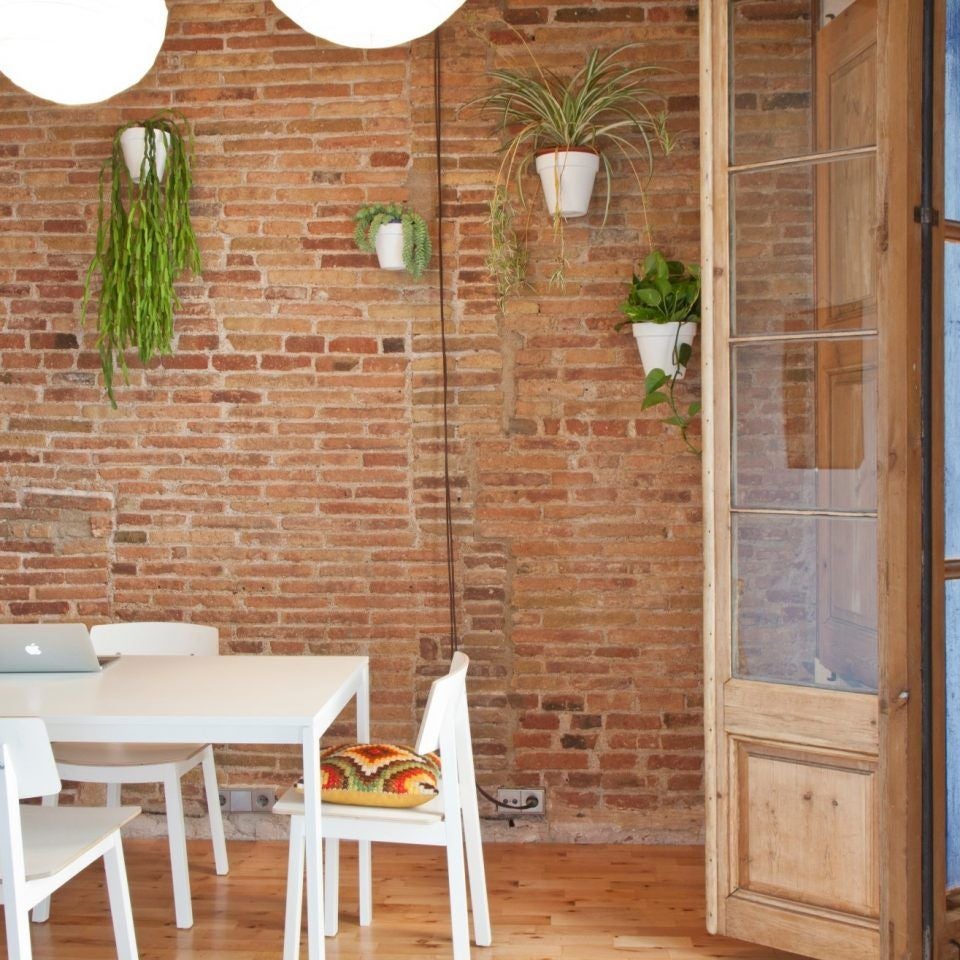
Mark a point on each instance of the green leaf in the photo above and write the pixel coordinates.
(683, 354)
(676, 421)
(694, 409)
(655, 379)
(653, 399)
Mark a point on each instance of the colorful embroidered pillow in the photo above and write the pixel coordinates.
(378, 775)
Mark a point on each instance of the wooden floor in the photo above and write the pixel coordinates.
(548, 902)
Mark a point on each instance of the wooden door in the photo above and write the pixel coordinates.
(811, 474)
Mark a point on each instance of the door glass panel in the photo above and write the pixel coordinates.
(804, 417)
(953, 733)
(800, 85)
(802, 247)
(951, 398)
(805, 600)
(952, 130)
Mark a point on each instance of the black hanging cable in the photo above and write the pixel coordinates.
(447, 506)
(447, 498)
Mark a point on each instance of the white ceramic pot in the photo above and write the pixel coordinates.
(658, 343)
(389, 244)
(569, 174)
(132, 142)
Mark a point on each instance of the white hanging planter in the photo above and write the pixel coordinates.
(658, 343)
(132, 143)
(389, 244)
(571, 174)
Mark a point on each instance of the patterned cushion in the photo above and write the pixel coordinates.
(378, 775)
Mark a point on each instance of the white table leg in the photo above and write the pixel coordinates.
(316, 948)
(364, 847)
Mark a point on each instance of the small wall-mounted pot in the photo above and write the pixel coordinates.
(569, 174)
(389, 244)
(132, 143)
(658, 343)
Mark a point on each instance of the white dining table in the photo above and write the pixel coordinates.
(229, 699)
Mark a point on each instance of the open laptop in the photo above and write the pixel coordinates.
(48, 648)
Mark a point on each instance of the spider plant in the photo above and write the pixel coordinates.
(603, 106)
(143, 245)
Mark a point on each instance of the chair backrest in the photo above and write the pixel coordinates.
(27, 746)
(156, 639)
(447, 695)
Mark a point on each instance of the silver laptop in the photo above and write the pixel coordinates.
(48, 648)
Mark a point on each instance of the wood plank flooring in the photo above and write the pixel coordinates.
(548, 902)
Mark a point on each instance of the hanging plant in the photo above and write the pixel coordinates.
(570, 125)
(398, 236)
(663, 311)
(144, 243)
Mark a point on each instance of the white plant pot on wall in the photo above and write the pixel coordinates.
(389, 244)
(659, 341)
(569, 175)
(132, 143)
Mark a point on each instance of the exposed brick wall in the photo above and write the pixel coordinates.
(280, 476)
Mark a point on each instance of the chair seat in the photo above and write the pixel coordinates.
(54, 837)
(291, 804)
(124, 754)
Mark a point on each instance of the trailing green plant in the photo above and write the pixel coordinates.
(604, 104)
(416, 238)
(143, 245)
(666, 291)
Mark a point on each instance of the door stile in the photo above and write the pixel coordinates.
(899, 477)
(715, 257)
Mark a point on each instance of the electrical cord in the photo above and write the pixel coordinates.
(447, 499)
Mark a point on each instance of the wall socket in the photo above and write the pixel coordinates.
(248, 799)
(516, 801)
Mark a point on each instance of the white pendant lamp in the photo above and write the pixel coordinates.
(369, 24)
(79, 51)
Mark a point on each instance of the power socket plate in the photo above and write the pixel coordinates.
(516, 799)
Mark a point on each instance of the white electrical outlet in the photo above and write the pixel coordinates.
(521, 801)
(263, 799)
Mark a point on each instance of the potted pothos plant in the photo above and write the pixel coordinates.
(398, 236)
(570, 125)
(145, 241)
(663, 311)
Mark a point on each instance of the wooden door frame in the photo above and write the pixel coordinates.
(899, 450)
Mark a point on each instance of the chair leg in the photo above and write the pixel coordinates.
(113, 794)
(482, 934)
(460, 929)
(18, 934)
(294, 909)
(41, 912)
(176, 834)
(213, 811)
(120, 910)
(331, 887)
(365, 868)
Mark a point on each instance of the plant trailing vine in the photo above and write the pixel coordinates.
(666, 291)
(143, 246)
(416, 238)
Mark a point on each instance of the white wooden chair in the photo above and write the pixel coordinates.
(117, 764)
(42, 848)
(447, 821)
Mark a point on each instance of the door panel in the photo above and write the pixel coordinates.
(782, 791)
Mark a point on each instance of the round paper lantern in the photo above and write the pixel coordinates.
(79, 51)
(368, 24)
